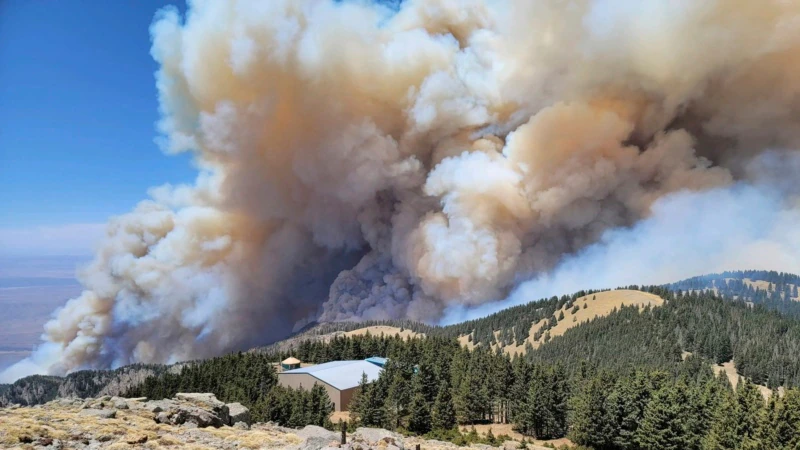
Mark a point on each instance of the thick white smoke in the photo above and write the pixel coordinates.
(361, 163)
(688, 233)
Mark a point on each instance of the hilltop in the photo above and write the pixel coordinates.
(583, 310)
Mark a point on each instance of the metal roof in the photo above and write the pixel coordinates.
(340, 374)
(377, 360)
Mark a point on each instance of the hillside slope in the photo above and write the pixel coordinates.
(601, 327)
(773, 290)
(39, 389)
(582, 310)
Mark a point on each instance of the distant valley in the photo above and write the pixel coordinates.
(30, 290)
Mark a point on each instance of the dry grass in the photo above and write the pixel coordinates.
(166, 441)
(729, 369)
(597, 305)
(132, 428)
(508, 429)
(261, 439)
(344, 416)
(379, 330)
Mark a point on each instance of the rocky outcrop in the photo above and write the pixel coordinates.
(238, 414)
(39, 389)
(188, 420)
(198, 410)
(375, 438)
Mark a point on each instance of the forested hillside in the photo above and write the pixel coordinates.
(618, 382)
(774, 290)
(512, 326)
(762, 343)
(507, 327)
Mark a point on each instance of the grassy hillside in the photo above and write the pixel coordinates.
(619, 381)
(573, 313)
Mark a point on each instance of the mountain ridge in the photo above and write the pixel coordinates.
(508, 328)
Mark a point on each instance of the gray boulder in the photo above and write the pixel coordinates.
(100, 413)
(317, 438)
(206, 401)
(194, 410)
(238, 413)
(69, 401)
(314, 431)
(190, 415)
(377, 437)
(241, 426)
(156, 406)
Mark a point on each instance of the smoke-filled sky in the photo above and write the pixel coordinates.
(440, 161)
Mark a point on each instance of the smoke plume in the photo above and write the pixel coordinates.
(359, 162)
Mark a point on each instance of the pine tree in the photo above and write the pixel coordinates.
(490, 437)
(663, 426)
(427, 380)
(546, 410)
(723, 434)
(751, 414)
(519, 388)
(420, 420)
(298, 416)
(468, 400)
(785, 422)
(625, 407)
(443, 416)
(359, 405)
(590, 421)
(739, 421)
(321, 406)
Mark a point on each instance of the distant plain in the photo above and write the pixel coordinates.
(31, 288)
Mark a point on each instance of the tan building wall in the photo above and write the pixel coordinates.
(340, 399)
(347, 397)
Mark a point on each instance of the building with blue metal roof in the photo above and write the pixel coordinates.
(377, 360)
(339, 378)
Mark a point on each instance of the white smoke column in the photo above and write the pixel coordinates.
(358, 162)
(739, 228)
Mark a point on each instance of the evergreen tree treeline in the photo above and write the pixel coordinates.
(618, 382)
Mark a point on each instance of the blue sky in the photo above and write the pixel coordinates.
(78, 108)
